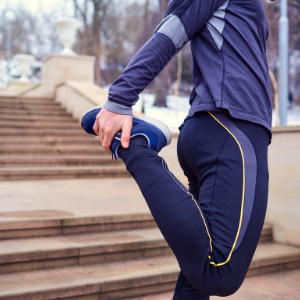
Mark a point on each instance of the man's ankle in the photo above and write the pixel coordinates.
(136, 143)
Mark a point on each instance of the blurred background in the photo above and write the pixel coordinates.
(114, 30)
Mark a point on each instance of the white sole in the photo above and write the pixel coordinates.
(162, 126)
(92, 109)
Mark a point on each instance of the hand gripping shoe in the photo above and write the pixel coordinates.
(157, 133)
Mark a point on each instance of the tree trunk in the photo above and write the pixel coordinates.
(162, 81)
(179, 72)
(276, 98)
(161, 88)
(97, 65)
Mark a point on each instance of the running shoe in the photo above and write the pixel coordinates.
(157, 133)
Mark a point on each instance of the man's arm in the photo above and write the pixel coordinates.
(183, 19)
(116, 114)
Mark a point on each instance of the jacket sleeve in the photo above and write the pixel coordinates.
(182, 21)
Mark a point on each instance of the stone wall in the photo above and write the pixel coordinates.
(284, 191)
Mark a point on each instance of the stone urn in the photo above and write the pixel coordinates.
(24, 62)
(67, 28)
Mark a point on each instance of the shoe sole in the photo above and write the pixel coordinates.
(160, 125)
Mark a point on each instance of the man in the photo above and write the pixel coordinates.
(214, 227)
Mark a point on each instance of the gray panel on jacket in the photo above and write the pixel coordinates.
(172, 27)
(216, 24)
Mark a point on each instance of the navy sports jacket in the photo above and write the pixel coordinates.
(230, 70)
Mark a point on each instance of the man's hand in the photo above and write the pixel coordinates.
(108, 124)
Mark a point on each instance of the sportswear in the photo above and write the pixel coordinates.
(228, 44)
(214, 227)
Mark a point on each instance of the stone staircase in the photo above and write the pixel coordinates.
(76, 254)
(39, 139)
(107, 257)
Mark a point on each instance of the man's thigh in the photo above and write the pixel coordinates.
(226, 160)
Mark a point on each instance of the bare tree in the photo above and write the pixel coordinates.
(163, 81)
(179, 74)
(276, 96)
(31, 34)
(93, 13)
(273, 14)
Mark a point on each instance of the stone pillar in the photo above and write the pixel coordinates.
(57, 69)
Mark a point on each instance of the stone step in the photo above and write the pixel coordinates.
(116, 280)
(40, 125)
(42, 173)
(45, 132)
(57, 111)
(49, 140)
(80, 160)
(38, 223)
(60, 251)
(32, 107)
(266, 234)
(49, 252)
(46, 223)
(25, 99)
(31, 102)
(36, 118)
(8, 150)
(131, 278)
(277, 286)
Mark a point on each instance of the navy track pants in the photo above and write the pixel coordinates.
(214, 227)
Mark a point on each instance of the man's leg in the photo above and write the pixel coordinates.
(184, 290)
(213, 237)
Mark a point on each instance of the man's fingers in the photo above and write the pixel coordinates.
(96, 127)
(107, 124)
(108, 134)
(125, 137)
(106, 143)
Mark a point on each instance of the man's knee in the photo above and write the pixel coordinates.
(221, 286)
(226, 287)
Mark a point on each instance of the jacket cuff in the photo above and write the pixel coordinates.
(117, 108)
